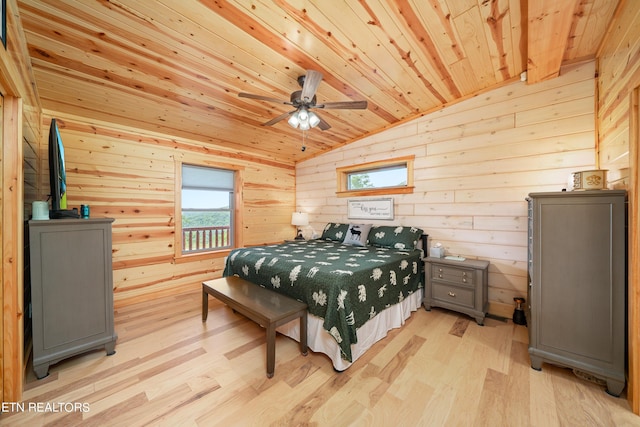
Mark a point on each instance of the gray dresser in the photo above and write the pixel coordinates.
(71, 289)
(457, 285)
(576, 296)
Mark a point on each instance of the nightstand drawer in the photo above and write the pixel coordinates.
(452, 274)
(457, 285)
(453, 295)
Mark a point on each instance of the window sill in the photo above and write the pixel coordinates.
(183, 258)
(375, 192)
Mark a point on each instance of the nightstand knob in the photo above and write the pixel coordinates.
(440, 276)
(464, 273)
(452, 294)
(464, 280)
(440, 270)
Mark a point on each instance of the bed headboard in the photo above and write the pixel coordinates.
(423, 244)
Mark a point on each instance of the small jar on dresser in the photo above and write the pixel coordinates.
(457, 285)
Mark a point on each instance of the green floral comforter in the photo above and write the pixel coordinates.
(344, 285)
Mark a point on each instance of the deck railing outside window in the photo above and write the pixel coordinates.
(198, 239)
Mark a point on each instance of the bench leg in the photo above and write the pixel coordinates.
(205, 306)
(271, 350)
(303, 334)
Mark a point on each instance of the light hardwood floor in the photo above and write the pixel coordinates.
(439, 369)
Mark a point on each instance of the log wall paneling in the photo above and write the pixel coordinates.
(7, 325)
(12, 249)
(475, 162)
(619, 75)
(634, 255)
(130, 175)
(20, 130)
(618, 139)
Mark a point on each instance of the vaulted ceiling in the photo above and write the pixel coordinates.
(177, 66)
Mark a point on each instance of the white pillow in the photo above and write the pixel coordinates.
(357, 234)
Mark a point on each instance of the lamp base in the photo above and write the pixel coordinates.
(519, 317)
(299, 236)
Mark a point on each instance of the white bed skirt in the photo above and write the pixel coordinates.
(368, 334)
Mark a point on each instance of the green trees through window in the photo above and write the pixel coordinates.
(207, 208)
(378, 178)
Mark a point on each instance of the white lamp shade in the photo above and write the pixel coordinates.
(304, 125)
(303, 114)
(300, 218)
(314, 120)
(293, 120)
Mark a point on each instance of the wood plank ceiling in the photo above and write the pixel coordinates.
(177, 66)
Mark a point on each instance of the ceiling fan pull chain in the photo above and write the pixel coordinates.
(303, 135)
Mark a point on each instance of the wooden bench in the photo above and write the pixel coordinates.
(265, 307)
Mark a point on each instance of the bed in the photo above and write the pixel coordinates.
(359, 281)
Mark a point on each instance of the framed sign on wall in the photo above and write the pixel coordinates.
(370, 208)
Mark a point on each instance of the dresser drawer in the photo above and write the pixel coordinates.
(453, 294)
(452, 274)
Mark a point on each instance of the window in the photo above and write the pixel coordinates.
(393, 176)
(207, 207)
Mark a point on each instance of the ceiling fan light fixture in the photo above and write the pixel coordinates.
(314, 120)
(294, 121)
(304, 119)
(303, 114)
(303, 100)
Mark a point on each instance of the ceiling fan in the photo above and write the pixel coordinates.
(304, 101)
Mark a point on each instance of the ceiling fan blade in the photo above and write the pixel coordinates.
(311, 82)
(277, 119)
(345, 105)
(323, 125)
(262, 98)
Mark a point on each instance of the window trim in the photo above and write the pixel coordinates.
(342, 177)
(180, 257)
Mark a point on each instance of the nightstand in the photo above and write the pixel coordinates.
(457, 285)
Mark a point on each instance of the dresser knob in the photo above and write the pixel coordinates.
(452, 294)
(464, 280)
(440, 276)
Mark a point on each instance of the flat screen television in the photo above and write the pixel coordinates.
(58, 176)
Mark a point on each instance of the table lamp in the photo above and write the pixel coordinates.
(300, 219)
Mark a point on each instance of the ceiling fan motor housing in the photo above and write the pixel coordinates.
(296, 100)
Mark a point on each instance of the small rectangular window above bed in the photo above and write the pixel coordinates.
(392, 176)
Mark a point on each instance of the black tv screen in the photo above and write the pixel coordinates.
(57, 175)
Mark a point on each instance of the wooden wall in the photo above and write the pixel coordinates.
(619, 75)
(476, 161)
(20, 114)
(619, 139)
(130, 175)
